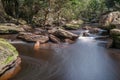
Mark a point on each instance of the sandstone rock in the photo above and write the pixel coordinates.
(60, 33)
(71, 26)
(116, 42)
(31, 37)
(10, 28)
(110, 43)
(26, 27)
(87, 28)
(54, 39)
(8, 60)
(22, 22)
(110, 20)
(115, 32)
(94, 30)
(11, 70)
(69, 41)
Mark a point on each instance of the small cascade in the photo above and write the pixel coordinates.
(85, 35)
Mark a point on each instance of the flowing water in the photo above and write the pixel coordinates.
(87, 59)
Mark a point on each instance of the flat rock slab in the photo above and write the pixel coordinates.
(31, 37)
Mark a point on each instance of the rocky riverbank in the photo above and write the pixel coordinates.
(9, 60)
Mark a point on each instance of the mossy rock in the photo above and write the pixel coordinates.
(10, 28)
(22, 22)
(8, 53)
(71, 26)
(116, 42)
(115, 32)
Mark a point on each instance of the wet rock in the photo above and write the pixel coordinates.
(115, 32)
(94, 30)
(9, 60)
(10, 28)
(54, 39)
(116, 42)
(31, 37)
(85, 34)
(11, 70)
(110, 43)
(110, 20)
(87, 28)
(69, 41)
(60, 33)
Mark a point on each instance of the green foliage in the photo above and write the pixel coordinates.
(59, 9)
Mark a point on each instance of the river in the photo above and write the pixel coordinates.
(86, 59)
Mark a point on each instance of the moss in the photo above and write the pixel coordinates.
(7, 52)
(9, 28)
(71, 26)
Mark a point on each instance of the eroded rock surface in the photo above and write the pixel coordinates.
(31, 37)
(110, 20)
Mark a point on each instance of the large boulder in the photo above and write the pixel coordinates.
(115, 34)
(31, 37)
(73, 25)
(10, 28)
(110, 20)
(60, 33)
(54, 38)
(116, 42)
(9, 60)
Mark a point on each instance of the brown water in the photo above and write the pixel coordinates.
(87, 59)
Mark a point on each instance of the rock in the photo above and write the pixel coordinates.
(11, 70)
(110, 43)
(31, 37)
(60, 33)
(69, 41)
(10, 28)
(52, 31)
(110, 20)
(71, 26)
(116, 42)
(85, 34)
(26, 28)
(39, 31)
(87, 28)
(9, 60)
(94, 30)
(22, 22)
(115, 32)
(54, 39)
